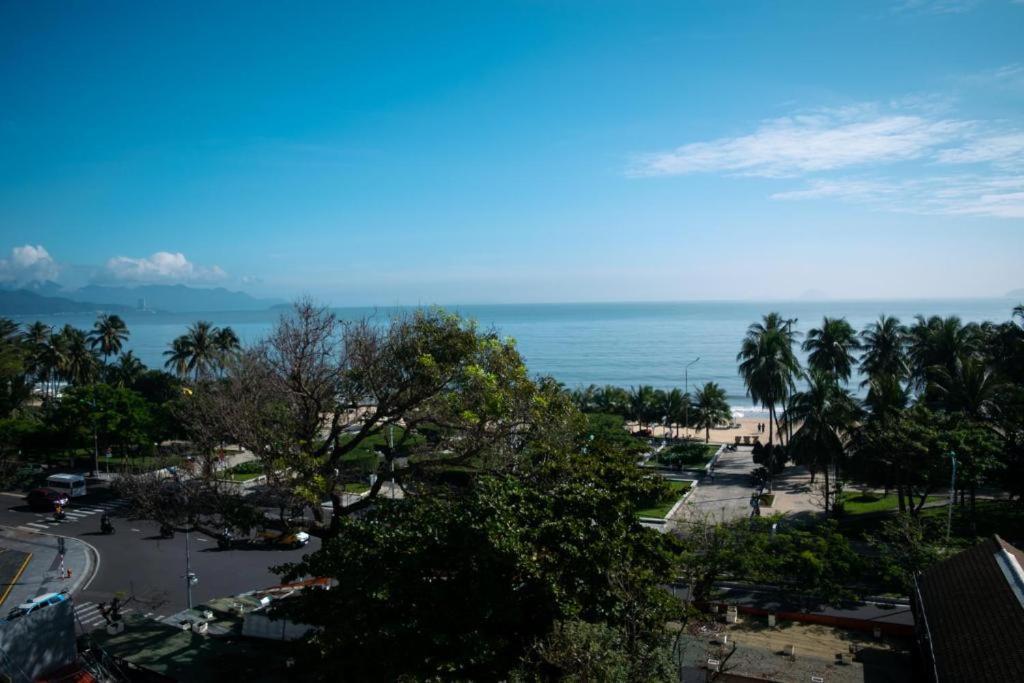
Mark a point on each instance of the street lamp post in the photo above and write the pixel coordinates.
(686, 393)
(952, 496)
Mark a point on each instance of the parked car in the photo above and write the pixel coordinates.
(46, 499)
(282, 539)
(36, 603)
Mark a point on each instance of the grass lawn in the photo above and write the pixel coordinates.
(691, 455)
(355, 487)
(857, 503)
(678, 488)
(994, 517)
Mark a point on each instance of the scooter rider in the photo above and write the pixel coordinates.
(58, 512)
(105, 525)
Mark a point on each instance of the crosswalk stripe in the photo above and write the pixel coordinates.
(26, 528)
(76, 515)
(37, 525)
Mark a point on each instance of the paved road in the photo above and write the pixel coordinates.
(726, 496)
(146, 572)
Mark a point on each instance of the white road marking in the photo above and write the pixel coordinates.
(37, 525)
(139, 530)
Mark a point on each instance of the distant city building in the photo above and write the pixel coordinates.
(970, 615)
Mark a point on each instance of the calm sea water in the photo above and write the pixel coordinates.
(579, 344)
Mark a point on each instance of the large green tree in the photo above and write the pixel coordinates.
(484, 583)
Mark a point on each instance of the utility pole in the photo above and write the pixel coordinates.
(686, 393)
(952, 496)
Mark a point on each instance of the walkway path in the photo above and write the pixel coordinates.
(724, 495)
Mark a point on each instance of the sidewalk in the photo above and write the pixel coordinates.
(42, 574)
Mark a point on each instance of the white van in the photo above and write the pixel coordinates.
(71, 484)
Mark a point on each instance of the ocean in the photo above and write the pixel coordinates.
(624, 344)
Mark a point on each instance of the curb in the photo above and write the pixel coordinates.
(92, 556)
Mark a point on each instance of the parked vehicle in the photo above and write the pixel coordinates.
(46, 499)
(71, 484)
(36, 603)
(282, 539)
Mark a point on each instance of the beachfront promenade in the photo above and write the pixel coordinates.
(725, 495)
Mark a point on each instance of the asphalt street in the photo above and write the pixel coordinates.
(146, 572)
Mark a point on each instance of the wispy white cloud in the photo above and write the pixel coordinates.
(822, 141)
(28, 263)
(950, 195)
(906, 157)
(161, 267)
(1005, 77)
(936, 6)
(1001, 149)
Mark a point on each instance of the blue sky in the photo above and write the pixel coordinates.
(471, 152)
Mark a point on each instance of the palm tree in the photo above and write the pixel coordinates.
(178, 356)
(673, 404)
(885, 349)
(826, 413)
(886, 397)
(108, 334)
(938, 343)
(768, 365)
(128, 369)
(971, 388)
(227, 345)
(80, 363)
(830, 348)
(710, 408)
(642, 404)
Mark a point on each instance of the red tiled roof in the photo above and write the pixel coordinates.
(974, 618)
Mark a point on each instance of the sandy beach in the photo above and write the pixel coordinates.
(747, 427)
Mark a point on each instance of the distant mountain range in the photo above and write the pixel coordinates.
(24, 302)
(48, 297)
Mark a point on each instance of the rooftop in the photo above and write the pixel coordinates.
(973, 613)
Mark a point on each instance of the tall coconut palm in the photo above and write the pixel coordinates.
(830, 348)
(178, 356)
(80, 363)
(887, 396)
(109, 334)
(971, 388)
(938, 343)
(710, 408)
(673, 404)
(227, 345)
(768, 364)
(128, 370)
(642, 404)
(825, 413)
(885, 350)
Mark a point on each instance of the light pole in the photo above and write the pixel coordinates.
(952, 496)
(686, 393)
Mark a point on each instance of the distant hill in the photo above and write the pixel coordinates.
(24, 302)
(174, 298)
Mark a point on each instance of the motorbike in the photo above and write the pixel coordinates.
(59, 515)
(106, 527)
(225, 540)
(166, 531)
